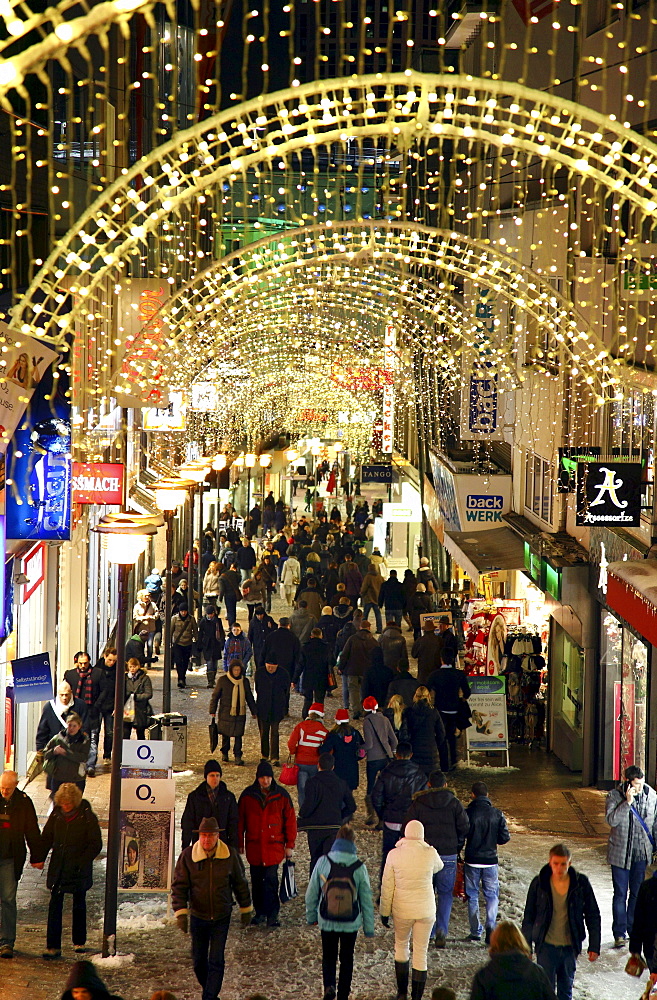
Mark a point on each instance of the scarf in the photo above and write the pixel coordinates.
(238, 701)
(85, 688)
(60, 709)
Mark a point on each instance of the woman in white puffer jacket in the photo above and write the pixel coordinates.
(407, 893)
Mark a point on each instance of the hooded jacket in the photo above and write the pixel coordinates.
(407, 884)
(424, 729)
(393, 645)
(511, 975)
(199, 805)
(205, 887)
(291, 572)
(343, 852)
(305, 740)
(24, 828)
(395, 787)
(267, 824)
(71, 765)
(345, 743)
(328, 802)
(75, 842)
(643, 936)
(84, 976)
(141, 686)
(583, 911)
(487, 829)
(357, 653)
(444, 819)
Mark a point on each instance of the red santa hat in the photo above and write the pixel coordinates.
(370, 704)
(342, 715)
(317, 708)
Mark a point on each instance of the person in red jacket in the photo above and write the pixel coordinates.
(305, 740)
(268, 831)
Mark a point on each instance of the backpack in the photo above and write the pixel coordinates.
(339, 900)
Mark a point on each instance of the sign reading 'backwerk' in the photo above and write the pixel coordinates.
(609, 493)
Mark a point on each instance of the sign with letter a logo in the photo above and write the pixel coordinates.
(609, 493)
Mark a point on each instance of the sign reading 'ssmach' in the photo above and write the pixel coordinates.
(609, 493)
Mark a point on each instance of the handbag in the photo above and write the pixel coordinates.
(635, 966)
(288, 888)
(214, 735)
(289, 773)
(129, 709)
(331, 682)
(463, 715)
(459, 881)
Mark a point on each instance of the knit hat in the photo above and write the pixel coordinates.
(414, 830)
(212, 766)
(370, 704)
(317, 708)
(342, 715)
(264, 770)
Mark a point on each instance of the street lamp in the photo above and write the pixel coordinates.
(219, 462)
(124, 538)
(264, 461)
(249, 460)
(196, 471)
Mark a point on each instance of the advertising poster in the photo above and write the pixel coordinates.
(489, 729)
(146, 818)
(32, 678)
(609, 494)
(24, 360)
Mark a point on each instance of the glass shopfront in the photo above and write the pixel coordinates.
(567, 683)
(624, 688)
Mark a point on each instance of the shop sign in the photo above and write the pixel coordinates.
(32, 678)
(609, 494)
(638, 272)
(388, 414)
(33, 567)
(484, 507)
(97, 482)
(480, 402)
(488, 706)
(376, 474)
(147, 753)
(400, 513)
(24, 360)
(568, 459)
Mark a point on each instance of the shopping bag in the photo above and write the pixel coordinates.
(635, 966)
(289, 773)
(459, 881)
(288, 888)
(129, 709)
(214, 735)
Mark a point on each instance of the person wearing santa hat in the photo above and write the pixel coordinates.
(305, 740)
(346, 744)
(380, 746)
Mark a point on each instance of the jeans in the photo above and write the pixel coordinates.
(230, 600)
(264, 889)
(443, 883)
(490, 887)
(345, 691)
(372, 768)
(208, 944)
(55, 908)
(320, 842)
(305, 771)
(344, 942)
(8, 887)
(94, 736)
(394, 615)
(181, 656)
(237, 746)
(108, 726)
(211, 670)
(447, 750)
(371, 606)
(355, 701)
(622, 909)
(559, 964)
(267, 728)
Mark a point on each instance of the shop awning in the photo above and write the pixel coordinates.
(632, 592)
(479, 552)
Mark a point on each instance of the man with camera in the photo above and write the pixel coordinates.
(631, 812)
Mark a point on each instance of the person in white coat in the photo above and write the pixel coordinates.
(291, 577)
(407, 894)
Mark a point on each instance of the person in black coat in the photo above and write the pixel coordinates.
(211, 640)
(404, 685)
(73, 834)
(87, 685)
(105, 704)
(312, 671)
(55, 713)
(283, 647)
(210, 798)
(138, 683)
(510, 972)
(488, 829)
(377, 678)
(18, 826)
(558, 938)
(448, 686)
(83, 976)
(423, 728)
(346, 745)
(232, 696)
(272, 685)
(643, 936)
(328, 803)
(393, 793)
(260, 628)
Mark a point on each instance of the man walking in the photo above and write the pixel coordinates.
(312, 671)
(392, 597)
(560, 903)
(18, 826)
(450, 642)
(87, 684)
(393, 793)
(267, 832)
(208, 874)
(427, 650)
(488, 829)
(272, 685)
(211, 639)
(211, 798)
(354, 661)
(448, 685)
(105, 704)
(327, 804)
(283, 647)
(184, 633)
(446, 826)
(631, 812)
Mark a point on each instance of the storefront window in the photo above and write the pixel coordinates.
(568, 669)
(624, 673)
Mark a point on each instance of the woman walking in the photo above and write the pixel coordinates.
(211, 583)
(346, 745)
(232, 695)
(423, 727)
(394, 713)
(73, 834)
(340, 914)
(407, 894)
(66, 755)
(138, 694)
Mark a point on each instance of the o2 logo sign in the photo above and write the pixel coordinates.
(145, 794)
(145, 754)
(609, 493)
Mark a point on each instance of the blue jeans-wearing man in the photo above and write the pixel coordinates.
(8, 887)
(394, 615)
(372, 606)
(443, 884)
(559, 963)
(622, 909)
(487, 876)
(305, 771)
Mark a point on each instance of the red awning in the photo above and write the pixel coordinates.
(632, 592)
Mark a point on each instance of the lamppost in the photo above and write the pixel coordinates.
(249, 461)
(264, 462)
(169, 495)
(196, 471)
(124, 538)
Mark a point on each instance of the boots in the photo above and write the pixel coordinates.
(211, 678)
(401, 971)
(418, 982)
(372, 818)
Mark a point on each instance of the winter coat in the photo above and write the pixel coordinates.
(643, 936)
(245, 557)
(444, 819)
(371, 587)
(424, 575)
(283, 647)
(313, 599)
(267, 824)
(328, 802)
(427, 650)
(205, 887)
(330, 627)
(404, 685)
(70, 766)
(269, 572)
(50, 724)
(407, 883)
(184, 631)
(419, 604)
(356, 656)
(75, 843)
(393, 645)
(84, 976)
(272, 693)
(135, 650)
(511, 974)
(199, 805)
(409, 583)
(391, 595)
(305, 740)
(237, 647)
(255, 591)
(24, 827)
(105, 702)
(140, 685)
(72, 677)
(379, 737)
(302, 623)
(211, 584)
(623, 823)
(180, 598)
(342, 853)
(145, 617)
(313, 666)
(487, 829)
(291, 573)
(222, 698)
(582, 910)
(395, 787)
(229, 584)
(450, 645)
(349, 574)
(377, 679)
(446, 682)
(259, 631)
(345, 743)
(211, 637)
